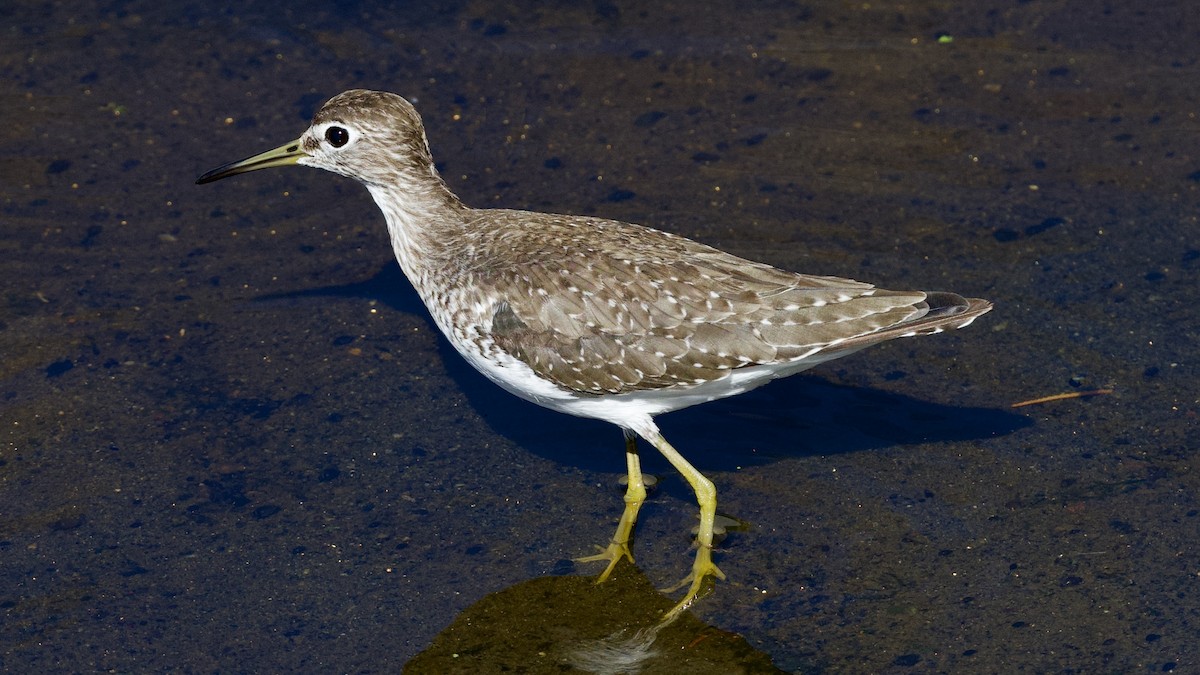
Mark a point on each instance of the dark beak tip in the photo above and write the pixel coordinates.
(207, 177)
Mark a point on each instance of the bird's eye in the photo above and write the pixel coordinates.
(337, 136)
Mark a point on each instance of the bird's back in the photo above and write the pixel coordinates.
(602, 307)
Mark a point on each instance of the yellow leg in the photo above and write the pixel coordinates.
(706, 496)
(635, 494)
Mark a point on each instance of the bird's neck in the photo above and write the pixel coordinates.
(422, 220)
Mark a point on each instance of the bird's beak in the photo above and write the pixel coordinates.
(284, 155)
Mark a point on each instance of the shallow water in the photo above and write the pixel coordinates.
(233, 439)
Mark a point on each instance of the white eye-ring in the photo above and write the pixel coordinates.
(338, 135)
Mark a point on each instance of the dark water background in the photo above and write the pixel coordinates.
(234, 441)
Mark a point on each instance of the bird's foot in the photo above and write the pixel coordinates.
(618, 546)
(702, 568)
(613, 554)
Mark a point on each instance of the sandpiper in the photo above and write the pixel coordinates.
(594, 317)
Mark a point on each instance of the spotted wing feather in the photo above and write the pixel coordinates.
(630, 308)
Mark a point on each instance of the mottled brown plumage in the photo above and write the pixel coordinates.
(624, 313)
(596, 317)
